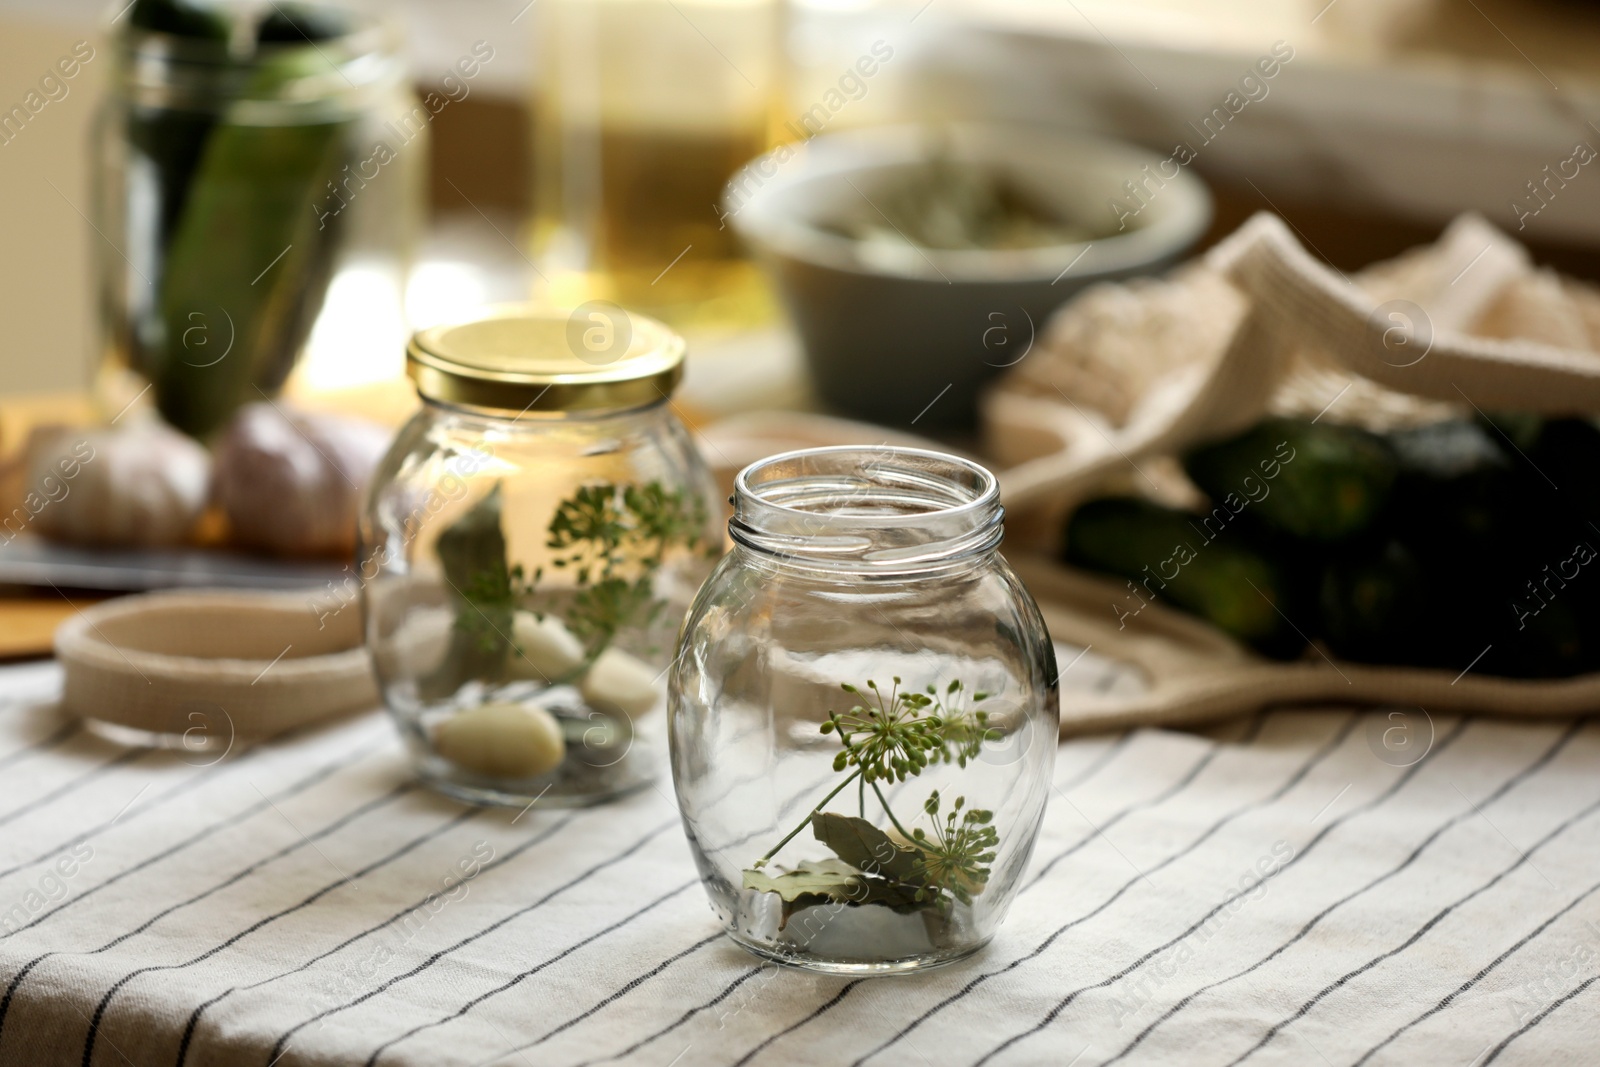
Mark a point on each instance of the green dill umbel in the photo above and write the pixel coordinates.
(613, 539)
(891, 736)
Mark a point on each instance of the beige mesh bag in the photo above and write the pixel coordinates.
(1130, 374)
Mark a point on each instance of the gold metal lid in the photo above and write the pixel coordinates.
(519, 357)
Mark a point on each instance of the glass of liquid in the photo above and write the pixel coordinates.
(644, 109)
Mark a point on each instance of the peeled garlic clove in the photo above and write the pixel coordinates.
(502, 740)
(418, 647)
(546, 651)
(620, 683)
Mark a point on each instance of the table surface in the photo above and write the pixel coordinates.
(1270, 891)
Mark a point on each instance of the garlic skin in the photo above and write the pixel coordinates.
(502, 740)
(545, 650)
(620, 684)
(291, 482)
(143, 486)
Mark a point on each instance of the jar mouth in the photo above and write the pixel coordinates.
(160, 69)
(877, 508)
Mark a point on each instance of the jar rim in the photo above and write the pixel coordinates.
(162, 69)
(876, 508)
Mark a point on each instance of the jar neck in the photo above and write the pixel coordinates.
(868, 511)
(276, 84)
(533, 419)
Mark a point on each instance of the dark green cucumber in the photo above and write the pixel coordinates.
(246, 256)
(1558, 638)
(1567, 453)
(1453, 499)
(1242, 589)
(182, 18)
(1314, 481)
(1378, 603)
(297, 23)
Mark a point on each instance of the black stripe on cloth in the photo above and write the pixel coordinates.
(1251, 734)
(1494, 1053)
(1323, 751)
(283, 1039)
(1422, 931)
(628, 987)
(1449, 998)
(42, 745)
(149, 861)
(498, 861)
(1094, 766)
(194, 781)
(523, 976)
(1394, 787)
(416, 842)
(122, 759)
(1500, 791)
(789, 805)
(822, 1009)
(727, 992)
(303, 842)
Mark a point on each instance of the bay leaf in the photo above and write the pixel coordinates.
(863, 845)
(829, 878)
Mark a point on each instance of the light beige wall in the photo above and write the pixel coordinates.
(47, 330)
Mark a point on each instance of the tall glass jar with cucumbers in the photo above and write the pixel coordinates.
(863, 713)
(528, 548)
(258, 181)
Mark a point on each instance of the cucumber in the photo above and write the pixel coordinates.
(1243, 589)
(1318, 482)
(1554, 639)
(247, 261)
(296, 23)
(1567, 453)
(182, 18)
(1454, 496)
(1381, 602)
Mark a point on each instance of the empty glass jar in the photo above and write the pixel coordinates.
(529, 546)
(863, 713)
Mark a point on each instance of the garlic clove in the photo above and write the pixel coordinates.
(620, 684)
(502, 740)
(418, 647)
(546, 650)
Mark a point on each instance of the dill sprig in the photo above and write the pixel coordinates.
(613, 539)
(891, 736)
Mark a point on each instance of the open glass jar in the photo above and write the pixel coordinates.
(863, 713)
(528, 547)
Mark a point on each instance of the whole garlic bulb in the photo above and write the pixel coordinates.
(291, 482)
(138, 487)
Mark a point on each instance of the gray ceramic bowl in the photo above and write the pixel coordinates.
(912, 338)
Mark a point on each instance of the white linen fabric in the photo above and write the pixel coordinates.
(1299, 887)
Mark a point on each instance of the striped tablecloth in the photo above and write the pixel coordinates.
(1288, 889)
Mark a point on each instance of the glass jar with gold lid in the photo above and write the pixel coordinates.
(528, 548)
